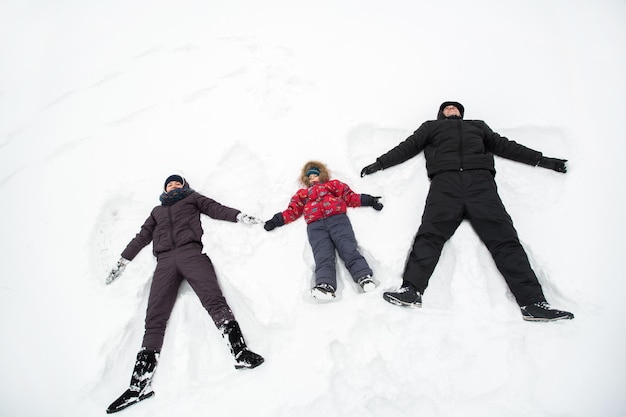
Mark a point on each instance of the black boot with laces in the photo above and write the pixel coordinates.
(406, 296)
(542, 311)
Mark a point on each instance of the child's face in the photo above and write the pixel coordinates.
(313, 178)
(172, 185)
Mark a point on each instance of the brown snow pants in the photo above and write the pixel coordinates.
(187, 262)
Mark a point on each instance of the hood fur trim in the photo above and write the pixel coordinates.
(324, 172)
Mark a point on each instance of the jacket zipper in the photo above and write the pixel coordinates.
(461, 153)
(320, 203)
(169, 214)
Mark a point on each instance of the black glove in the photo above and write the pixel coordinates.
(370, 169)
(274, 222)
(371, 201)
(555, 164)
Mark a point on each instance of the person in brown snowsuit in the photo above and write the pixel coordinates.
(175, 230)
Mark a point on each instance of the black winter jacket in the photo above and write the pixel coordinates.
(455, 144)
(176, 225)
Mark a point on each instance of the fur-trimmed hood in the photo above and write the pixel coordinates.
(324, 172)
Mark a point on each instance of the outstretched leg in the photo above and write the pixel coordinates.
(198, 270)
(163, 292)
(323, 253)
(495, 228)
(443, 213)
(343, 237)
(140, 383)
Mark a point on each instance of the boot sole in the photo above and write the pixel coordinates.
(251, 366)
(324, 296)
(369, 287)
(400, 303)
(527, 318)
(128, 404)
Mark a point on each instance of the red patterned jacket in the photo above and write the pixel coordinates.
(321, 200)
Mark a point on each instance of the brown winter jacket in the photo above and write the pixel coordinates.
(176, 225)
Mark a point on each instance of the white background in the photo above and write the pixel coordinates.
(101, 101)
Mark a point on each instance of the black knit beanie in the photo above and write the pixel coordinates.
(174, 177)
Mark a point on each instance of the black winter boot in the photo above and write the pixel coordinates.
(140, 383)
(244, 358)
(542, 311)
(406, 296)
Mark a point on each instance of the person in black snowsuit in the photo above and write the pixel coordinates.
(175, 230)
(459, 162)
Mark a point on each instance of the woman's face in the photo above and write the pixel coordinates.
(172, 185)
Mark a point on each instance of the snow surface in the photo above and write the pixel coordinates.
(100, 101)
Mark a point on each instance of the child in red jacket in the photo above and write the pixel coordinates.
(324, 203)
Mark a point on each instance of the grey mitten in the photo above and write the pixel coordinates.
(246, 219)
(117, 271)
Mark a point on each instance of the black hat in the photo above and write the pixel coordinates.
(450, 103)
(174, 177)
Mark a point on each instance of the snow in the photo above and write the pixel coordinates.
(101, 101)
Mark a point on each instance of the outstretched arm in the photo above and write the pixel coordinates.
(141, 240)
(404, 151)
(214, 209)
(293, 212)
(501, 146)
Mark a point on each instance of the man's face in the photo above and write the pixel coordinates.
(451, 110)
(172, 185)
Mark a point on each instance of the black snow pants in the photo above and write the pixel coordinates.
(187, 262)
(330, 234)
(472, 195)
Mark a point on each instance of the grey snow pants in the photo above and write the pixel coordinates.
(187, 262)
(330, 234)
